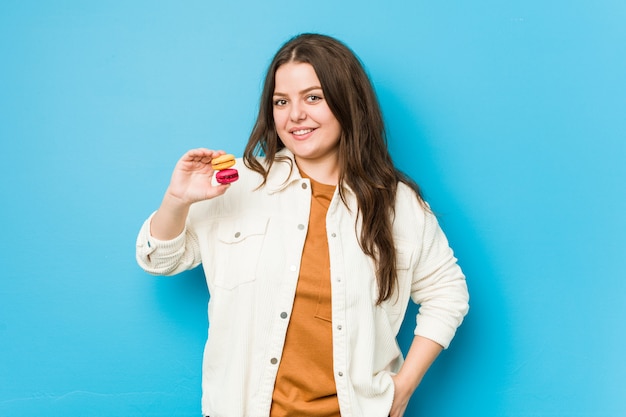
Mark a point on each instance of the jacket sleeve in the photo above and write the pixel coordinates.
(159, 257)
(438, 286)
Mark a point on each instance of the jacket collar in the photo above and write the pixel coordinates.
(285, 172)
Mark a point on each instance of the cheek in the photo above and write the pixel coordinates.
(331, 121)
(323, 114)
(278, 119)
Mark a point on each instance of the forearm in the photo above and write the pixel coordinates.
(169, 220)
(166, 256)
(420, 357)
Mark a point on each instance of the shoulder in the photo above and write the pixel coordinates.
(407, 198)
(411, 213)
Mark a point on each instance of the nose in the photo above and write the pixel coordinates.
(297, 112)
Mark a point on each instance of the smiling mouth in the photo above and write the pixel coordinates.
(301, 132)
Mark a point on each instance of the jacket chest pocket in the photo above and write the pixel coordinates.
(240, 242)
(396, 305)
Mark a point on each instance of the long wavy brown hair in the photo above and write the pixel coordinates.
(364, 161)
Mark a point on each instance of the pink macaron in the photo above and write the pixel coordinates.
(226, 176)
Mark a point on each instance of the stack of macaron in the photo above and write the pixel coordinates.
(224, 174)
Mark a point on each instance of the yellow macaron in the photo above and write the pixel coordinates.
(223, 162)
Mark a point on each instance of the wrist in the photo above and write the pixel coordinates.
(169, 220)
(408, 381)
(174, 203)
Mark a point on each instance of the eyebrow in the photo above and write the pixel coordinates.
(306, 90)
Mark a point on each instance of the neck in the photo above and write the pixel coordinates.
(326, 172)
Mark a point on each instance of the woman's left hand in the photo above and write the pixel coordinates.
(401, 396)
(421, 355)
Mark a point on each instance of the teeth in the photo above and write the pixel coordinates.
(302, 132)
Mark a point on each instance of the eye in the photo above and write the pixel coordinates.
(313, 98)
(280, 102)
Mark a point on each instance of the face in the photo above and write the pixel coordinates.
(303, 119)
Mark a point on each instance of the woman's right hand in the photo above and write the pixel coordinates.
(191, 182)
(191, 179)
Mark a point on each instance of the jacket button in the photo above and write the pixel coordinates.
(283, 315)
(273, 361)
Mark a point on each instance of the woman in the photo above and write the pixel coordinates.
(311, 257)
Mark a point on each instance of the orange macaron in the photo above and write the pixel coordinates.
(223, 162)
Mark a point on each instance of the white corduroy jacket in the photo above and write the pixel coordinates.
(249, 242)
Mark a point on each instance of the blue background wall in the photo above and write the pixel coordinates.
(510, 114)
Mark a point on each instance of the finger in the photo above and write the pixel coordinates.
(220, 189)
(201, 155)
(200, 152)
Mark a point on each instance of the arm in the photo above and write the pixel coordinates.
(439, 288)
(162, 247)
(420, 357)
